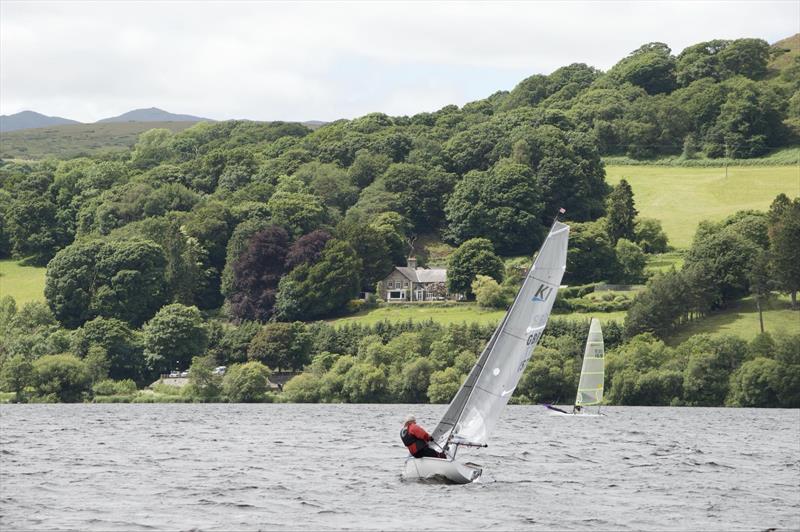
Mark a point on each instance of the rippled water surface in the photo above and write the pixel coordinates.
(315, 467)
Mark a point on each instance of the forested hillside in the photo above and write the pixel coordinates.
(184, 245)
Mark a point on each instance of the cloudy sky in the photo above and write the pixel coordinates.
(328, 60)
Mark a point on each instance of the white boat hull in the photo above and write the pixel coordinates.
(441, 469)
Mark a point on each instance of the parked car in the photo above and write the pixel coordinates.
(174, 374)
(220, 370)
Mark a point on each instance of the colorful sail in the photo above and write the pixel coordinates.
(590, 386)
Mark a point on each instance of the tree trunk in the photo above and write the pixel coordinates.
(760, 314)
(794, 299)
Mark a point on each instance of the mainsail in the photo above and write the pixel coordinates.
(479, 402)
(590, 387)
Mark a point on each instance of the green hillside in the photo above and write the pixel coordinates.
(741, 320)
(63, 142)
(682, 197)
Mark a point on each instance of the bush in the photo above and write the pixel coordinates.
(63, 377)
(488, 293)
(246, 383)
(112, 387)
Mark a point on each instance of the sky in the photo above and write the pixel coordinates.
(329, 60)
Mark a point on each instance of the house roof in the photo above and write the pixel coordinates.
(423, 275)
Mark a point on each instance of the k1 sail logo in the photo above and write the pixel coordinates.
(542, 293)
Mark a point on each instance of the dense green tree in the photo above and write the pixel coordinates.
(232, 346)
(204, 383)
(31, 224)
(173, 337)
(122, 346)
(785, 251)
(365, 383)
(724, 258)
(659, 308)
(419, 193)
(591, 256)
(16, 375)
(650, 236)
(549, 377)
(372, 248)
(246, 383)
(444, 385)
(97, 364)
(393, 228)
(323, 289)
(489, 293)
(329, 182)
(631, 261)
(756, 384)
(295, 208)
(411, 384)
(367, 167)
(502, 205)
(63, 378)
(282, 345)
(749, 122)
(121, 279)
(303, 388)
(473, 257)
(152, 148)
(651, 67)
(621, 213)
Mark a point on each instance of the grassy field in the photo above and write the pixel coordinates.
(23, 283)
(73, 140)
(742, 320)
(664, 262)
(447, 314)
(682, 197)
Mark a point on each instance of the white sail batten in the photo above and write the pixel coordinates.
(590, 386)
(481, 399)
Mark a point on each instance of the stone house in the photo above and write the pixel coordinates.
(410, 283)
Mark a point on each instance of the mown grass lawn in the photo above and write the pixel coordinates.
(449, 313)
(23, 283)
(741, 320)
(683, 197)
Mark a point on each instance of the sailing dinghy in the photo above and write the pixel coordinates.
(479, 402)
(590, 385)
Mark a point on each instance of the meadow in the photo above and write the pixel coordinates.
(682, 197)
(741, 320)
(23, 283)
(74, 140)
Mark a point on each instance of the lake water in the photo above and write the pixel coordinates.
(320, 467)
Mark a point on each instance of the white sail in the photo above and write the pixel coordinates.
(479, 402)
(590, 386)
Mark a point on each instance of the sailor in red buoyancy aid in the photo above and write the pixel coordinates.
(416, 439)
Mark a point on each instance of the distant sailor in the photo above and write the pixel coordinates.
(416, 439)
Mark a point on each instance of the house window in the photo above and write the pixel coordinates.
(391, 284)
(397, 294)
(405, 284)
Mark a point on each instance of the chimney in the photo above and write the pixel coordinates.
(412, 263)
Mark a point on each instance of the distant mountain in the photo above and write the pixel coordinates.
(153, 114)
(31, 119)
